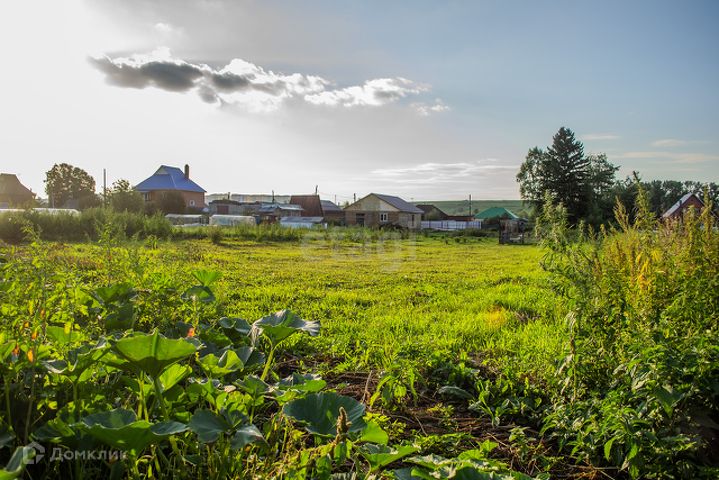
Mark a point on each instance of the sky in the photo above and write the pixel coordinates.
(425, 100)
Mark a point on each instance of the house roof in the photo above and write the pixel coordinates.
(10, 185)
(428, 207)
(311, 205)
(168, 178)
(398, 203)
(301, 219)
(271, 207)
(495, 212)
(329, 206)
(674, 208)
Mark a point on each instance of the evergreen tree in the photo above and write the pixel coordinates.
(570, 177)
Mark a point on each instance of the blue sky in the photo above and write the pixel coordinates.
(427, 100)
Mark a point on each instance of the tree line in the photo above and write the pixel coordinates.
(68, 186)
(587, 185)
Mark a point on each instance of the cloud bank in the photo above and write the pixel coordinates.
(248, 85)
(432, 173)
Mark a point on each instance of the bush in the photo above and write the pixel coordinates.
(638, 387)
(87, 225)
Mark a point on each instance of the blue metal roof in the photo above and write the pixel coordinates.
(168, 178)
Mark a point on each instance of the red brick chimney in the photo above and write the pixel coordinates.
(187, 171)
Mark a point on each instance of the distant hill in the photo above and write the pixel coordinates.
(461, 207)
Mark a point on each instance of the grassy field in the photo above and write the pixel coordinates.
(401, 355)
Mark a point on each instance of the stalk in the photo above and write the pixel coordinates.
(158, 394)
(268, 363)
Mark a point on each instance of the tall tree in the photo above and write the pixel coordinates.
(570, 177)
(123, 198)
(63, 182)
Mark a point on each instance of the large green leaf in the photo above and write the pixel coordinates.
(152, 353)
(217, 367)
(206, 277)
(17, 462)
(120, 429)
(280, 325)
(319, 412)
(236, 329)
(207, 425)
(78, 360)
(379, 456)
(245, 435)
(172, 375)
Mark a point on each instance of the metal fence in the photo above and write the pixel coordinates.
(451, 225)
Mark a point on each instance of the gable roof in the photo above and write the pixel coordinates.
(168, 178)
(330, 207)
(398, 203)
(428, 207)
(10, 185)
(680, 203)
(495, 212)
(311, 205)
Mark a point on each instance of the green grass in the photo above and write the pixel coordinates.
(383, 301)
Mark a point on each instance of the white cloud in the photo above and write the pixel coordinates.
(599, 136)
(426, 110)
(242, 83)
(669, 142)
(375, 92)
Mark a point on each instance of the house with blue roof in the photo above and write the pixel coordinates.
(172, 179)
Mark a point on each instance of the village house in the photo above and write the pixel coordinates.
(312, 206)
(432, 213)
(687, 201)
(14, 194)
(172, 179)
(377, 210)
(224, 206)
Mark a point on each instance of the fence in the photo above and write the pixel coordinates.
(451, 225)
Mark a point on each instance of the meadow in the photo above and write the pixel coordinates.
(392, 355)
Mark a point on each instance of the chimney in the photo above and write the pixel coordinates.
(187, 171)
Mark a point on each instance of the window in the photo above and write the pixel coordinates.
(383, 217)
(192, 203)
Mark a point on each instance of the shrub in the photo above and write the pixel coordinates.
(638, 385)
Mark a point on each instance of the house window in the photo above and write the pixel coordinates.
(192, 203)
(382, 217)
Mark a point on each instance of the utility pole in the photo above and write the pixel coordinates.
(470, 204)
(104, 186)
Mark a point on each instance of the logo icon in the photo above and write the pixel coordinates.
(39, 453)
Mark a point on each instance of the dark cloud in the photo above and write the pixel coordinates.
(244, 83)
(175, 77)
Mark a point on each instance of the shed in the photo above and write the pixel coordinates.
(226, 206)
(497, 213)
(13, 193)
(378, 210)
(432, 212)
(332, 212)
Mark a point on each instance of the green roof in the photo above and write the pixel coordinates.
(496, 212)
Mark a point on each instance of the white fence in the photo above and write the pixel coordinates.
(450, 225)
